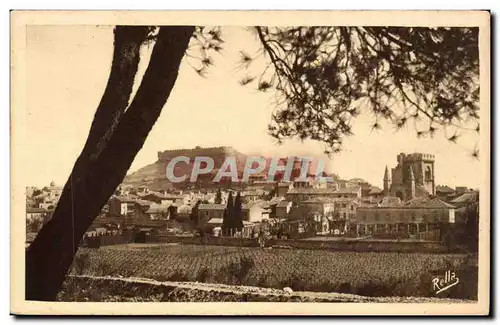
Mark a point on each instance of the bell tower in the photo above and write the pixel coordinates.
(387, 182)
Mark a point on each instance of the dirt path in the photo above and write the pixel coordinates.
(240, 290)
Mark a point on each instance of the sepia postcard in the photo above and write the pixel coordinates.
(250, 163)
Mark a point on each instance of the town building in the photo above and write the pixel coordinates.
(445, 193)
(301, 194)
(345, 208)
(121, 206)
(36, 213)
(282, 188)
(466, 198)
(255, 211)
(282, 209)
(209, 211)
(160, 211)
(419, 218)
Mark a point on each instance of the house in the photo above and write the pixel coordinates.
(122, 190)
(459, 190)
(258, 177)
(159, 211)
(172, 198)
(345, 209)
(263, 185)
(36, 213)
(375, 195)
(445, 193)
(283, 209)
(315, 214)
(255, 211)
(466, 198)
(300, 183)
(213, 225)
(209, 211)
(348, 192)
(302, 194)
(282, 188)
(318, 205)
(251, 196)
(272, 204)
(121, 206)
(47, 205)
(419, 217)
(54, 192)
(142, 190)
(155, 197)
(466, 204)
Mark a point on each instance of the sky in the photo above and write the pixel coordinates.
(67, 71)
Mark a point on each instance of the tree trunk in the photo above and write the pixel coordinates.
(102, 166)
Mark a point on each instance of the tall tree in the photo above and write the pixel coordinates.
(194, 213)
(227, 218)
(218, 197)
(323, 78)
(115, 138)
(237, 216)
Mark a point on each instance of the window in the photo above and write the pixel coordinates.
(352, 207)
(345, 215)
(428, 173)
(344, 205)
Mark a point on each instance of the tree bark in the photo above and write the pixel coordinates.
(126, 56)
(102, 166)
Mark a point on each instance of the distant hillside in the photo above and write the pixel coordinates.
(154, 175)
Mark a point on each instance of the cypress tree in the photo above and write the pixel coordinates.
(218, 197)
(227, 223)
(238, 213)
(194, 213)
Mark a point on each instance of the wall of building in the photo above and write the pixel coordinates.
(404, 215)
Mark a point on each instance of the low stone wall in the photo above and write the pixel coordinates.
(341, 245)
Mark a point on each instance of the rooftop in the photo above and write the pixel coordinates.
(36, 210)
(210, 206)
(468, 197)
(304, 190)
(420, 203)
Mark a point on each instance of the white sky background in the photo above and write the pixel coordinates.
(68, 69)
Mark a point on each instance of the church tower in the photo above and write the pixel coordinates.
(412, 185)
(387, 182)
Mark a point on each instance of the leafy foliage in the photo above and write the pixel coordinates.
(324, 77)
(194, 213)
(205, 42)
(218, 197)
(237, 216)
(227, 216)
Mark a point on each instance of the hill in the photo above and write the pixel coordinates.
(154, 175)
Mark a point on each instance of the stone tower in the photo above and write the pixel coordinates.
(412, 177)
